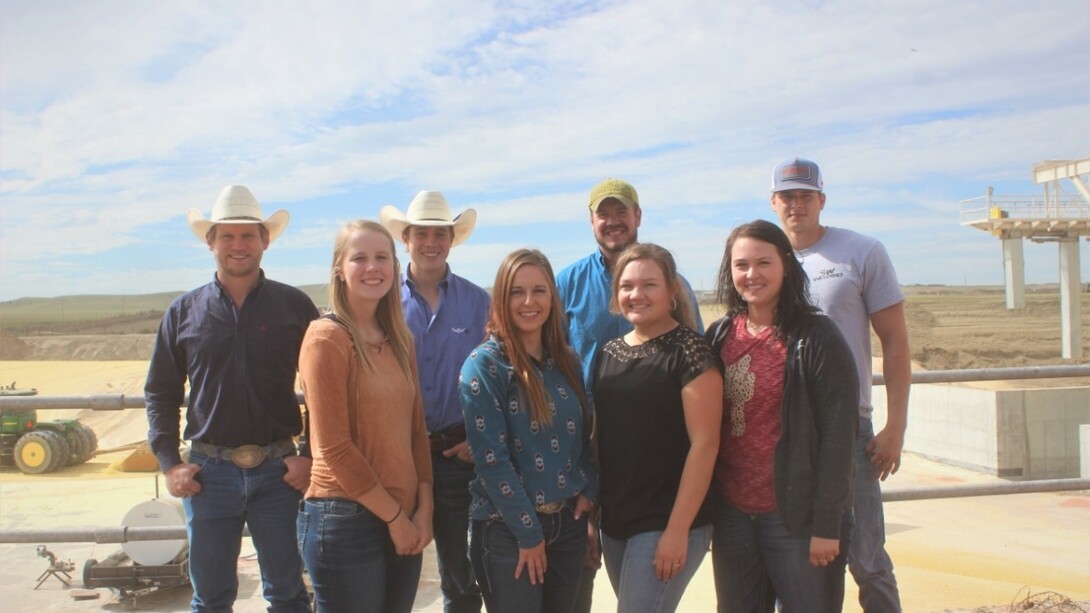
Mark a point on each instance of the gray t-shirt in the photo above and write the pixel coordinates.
(852, 277)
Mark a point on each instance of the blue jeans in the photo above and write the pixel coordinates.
(631, 570)
(495, 555)
(229, 498)
(755, 559)
(351, 559)
(450, 526)
(867, 558)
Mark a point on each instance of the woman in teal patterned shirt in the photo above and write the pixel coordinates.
(528, 424)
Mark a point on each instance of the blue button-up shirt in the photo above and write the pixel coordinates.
(443, 339)
(585, 291)
(240, 363)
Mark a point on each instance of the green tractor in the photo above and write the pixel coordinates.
(42, 446)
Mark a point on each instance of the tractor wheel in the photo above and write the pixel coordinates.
(75, 446)
(60, 448)
(7, 448)
(90, 442)
(34, 454)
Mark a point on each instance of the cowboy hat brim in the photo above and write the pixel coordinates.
(396, 222)
(200, 225)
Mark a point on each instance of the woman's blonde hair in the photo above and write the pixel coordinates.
(388, 314)
(553, 335)
(680, 308)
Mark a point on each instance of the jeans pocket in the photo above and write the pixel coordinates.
(345, 509)
(302, 523)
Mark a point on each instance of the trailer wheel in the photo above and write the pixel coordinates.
(87, 566)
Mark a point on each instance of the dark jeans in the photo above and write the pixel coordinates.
(495, 555)
(753, 554)
(229, 498)
(585, 596)
(351, 559)
(450, 525)
(871, 566)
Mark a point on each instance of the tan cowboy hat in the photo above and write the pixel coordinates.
(429, 209)
(236, 204)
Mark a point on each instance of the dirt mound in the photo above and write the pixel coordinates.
(12, 347)
(87, 347)
(960, 331)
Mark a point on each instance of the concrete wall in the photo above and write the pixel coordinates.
(1030, 434)
(1084, 450)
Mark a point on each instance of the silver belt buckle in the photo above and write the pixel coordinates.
(248, 456)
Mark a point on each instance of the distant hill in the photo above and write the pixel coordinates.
(100, 314)
(141, 313)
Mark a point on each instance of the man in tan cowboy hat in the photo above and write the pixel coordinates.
(447, 315)
(237, 342)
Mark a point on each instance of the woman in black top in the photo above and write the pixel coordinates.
(658, 398)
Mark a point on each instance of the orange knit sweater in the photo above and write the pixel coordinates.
(366, 428)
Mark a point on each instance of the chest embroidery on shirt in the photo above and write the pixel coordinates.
(739, 391)
(827, 273)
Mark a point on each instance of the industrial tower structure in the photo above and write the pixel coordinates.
(1058, 217)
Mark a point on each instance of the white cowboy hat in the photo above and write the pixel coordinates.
(429, 209)
(236, 204)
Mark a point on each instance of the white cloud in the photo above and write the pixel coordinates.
(118, 117)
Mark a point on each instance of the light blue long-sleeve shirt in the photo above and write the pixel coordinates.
(585, 291)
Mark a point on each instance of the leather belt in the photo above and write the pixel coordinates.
(246, 456)
(445, 439)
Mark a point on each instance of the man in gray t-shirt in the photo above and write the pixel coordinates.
(852, 280)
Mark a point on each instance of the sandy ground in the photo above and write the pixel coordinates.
(951, 554)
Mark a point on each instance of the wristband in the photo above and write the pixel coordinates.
(396, 515)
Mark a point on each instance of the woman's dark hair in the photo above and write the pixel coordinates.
(793, 307)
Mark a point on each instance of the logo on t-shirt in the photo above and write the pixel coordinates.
(827, 273)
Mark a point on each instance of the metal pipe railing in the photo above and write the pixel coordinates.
(117, 402)
(985, 489)
(124, 534)
(995, 374)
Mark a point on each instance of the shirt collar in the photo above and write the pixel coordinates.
(411, 284)
(260, 282)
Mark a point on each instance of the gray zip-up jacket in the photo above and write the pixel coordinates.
(819, 417)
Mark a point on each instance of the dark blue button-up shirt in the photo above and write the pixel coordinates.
(443, 339)
(240, 363)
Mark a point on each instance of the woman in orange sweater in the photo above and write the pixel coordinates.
(366, 517)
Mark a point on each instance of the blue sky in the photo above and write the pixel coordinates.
(117, 117)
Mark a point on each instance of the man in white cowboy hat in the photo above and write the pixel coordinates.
(585, 289)
(237, 342)
(447, 315)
